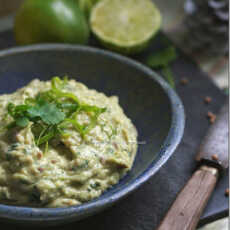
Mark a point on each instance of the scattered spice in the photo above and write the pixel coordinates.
(215, 157)
(39, 155)
(53, 161)
(227, 192)
(207, 100)
(102, 160)
(211, 116)
(115, 145)
(212, 120)
(184, 81)
(41, 169)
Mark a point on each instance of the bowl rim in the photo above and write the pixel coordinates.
(170, 144)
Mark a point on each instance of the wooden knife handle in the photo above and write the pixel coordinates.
(185, 212)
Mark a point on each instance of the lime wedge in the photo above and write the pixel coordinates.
(126, 26)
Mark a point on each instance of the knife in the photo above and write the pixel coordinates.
(212, 157)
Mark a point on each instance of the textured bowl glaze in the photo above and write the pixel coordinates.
(147, 99)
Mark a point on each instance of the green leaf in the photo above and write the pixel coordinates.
(16, 111)
(22, 122)
(34, 111)
(162, 58)
(46, 138)
(76, 125)
(49, 113)
(10, 109)
(52, 111)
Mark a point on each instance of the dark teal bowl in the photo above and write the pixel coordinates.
(147, 99)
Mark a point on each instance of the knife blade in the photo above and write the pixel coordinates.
(214, 148)
(185, 212)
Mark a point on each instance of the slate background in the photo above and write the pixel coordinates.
(143, 209)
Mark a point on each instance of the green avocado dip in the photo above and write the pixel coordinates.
(62, 144)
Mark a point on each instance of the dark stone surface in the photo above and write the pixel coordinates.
(143, 209)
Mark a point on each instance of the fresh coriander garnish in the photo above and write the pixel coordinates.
(51, 112)
(161, 60)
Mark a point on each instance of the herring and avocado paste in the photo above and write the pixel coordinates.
(62, 144)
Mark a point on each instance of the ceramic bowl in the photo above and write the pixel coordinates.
(146, 98)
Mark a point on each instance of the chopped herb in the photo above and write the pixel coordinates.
(78, 153)
(130, 153)
(96, 185)
(85, 164)
(13, 146)
(27, 151)
(161, 60)
(46, 147)
(114, 131)
(48, 113)
(110, 150)
(4, 195)
(24, 181)
(51, 112)
(8, 156)
(35, 195)
(10, 149)
(82, 166)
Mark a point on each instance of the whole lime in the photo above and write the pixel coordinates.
(40, 21)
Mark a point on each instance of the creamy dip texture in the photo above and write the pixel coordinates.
(62, 144)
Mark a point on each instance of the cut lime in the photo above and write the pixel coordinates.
(125, 26)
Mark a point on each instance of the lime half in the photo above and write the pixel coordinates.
(125, 26)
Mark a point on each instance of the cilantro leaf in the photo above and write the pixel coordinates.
(49, 113)
(34, 111)
(22, 122)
